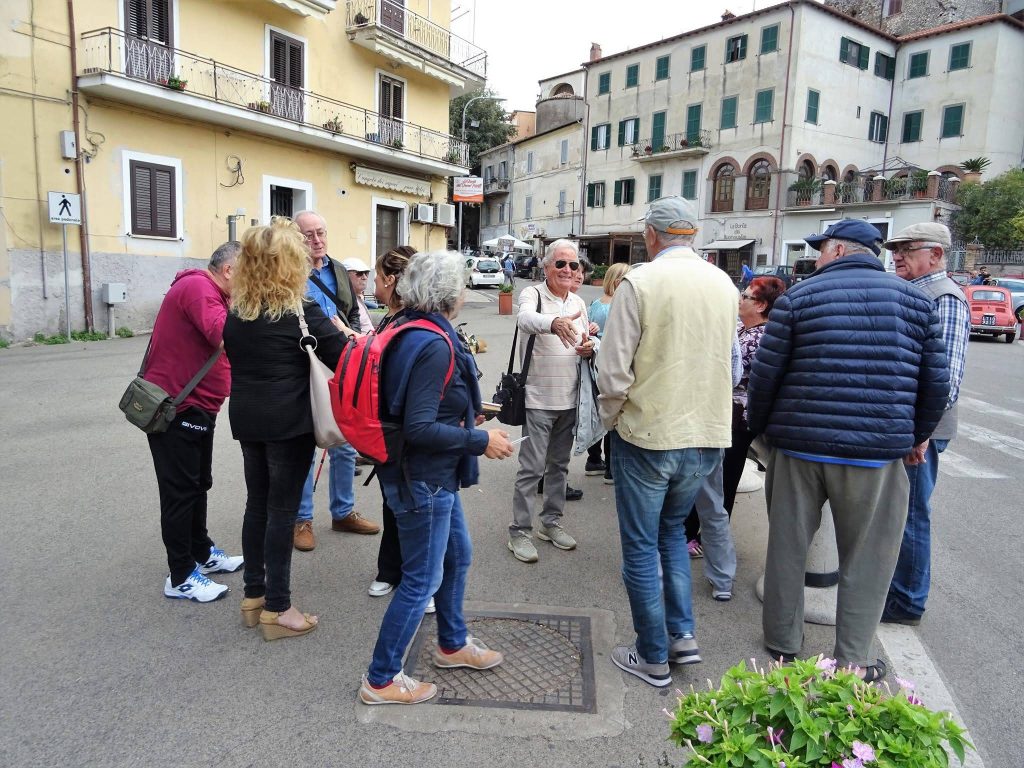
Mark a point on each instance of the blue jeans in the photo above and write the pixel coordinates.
(654, 492)
(715, 532)
(342, 474)
(436, 553)
(910, 582)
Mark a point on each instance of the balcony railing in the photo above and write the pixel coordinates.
(864, 188)
(673, 145)
(111, 51)
(496, 185)
(418, 30)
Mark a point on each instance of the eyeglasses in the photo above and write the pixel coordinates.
(319, 234)
(573, 265)
(747, 296)
(911, 250)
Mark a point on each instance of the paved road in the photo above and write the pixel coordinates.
(100, 669)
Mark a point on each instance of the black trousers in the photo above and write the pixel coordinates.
(275, 474)
(389, 556)
(183, 460)
(733, 460)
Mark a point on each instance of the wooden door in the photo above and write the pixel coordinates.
(392, 15)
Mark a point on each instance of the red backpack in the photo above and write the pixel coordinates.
(356, 396)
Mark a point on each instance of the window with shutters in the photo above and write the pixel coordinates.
(736, 48)
(632, 75)
(878, 128)
(629, 131)
(153, 198)
(391, 105)
(604, 83)
(764, 103)
(561, 202)
(813, 100)
(918, 65)
(658, 132)
(503, 170)
(952, 121)
(770, 39)
(728, 116)
(661, 68)
(287, 73)
(853, 53)
(912, 126)
(148, 45)
(528, 207)
(698, 56)
(689, 190)
(595, 195)
(501, 213)
(563, 151)
(693, 118)
(885, 66)
(624, 192)
(529, 162)
(600, 136)
(959, 56)
(653, 188)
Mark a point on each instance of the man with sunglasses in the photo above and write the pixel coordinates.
(666, 379)
(555, 319)
(919, 253)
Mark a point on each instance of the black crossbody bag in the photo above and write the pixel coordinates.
(511, 391)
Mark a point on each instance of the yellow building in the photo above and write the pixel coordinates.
(196, 118)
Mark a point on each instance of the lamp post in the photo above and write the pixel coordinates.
(464, 108)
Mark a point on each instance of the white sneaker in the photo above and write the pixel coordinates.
(379, 588)
(751, 481)
(431, 608)
(196, 587)
(220, 562)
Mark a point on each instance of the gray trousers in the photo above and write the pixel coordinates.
(715, 533)
(870, 508)
(545, 455)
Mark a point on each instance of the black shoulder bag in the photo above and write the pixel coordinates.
(511, 392)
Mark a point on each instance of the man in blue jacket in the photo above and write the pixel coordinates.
(849, 382)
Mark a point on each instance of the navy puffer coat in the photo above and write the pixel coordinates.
(852, 365)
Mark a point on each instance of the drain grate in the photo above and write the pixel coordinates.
(549, 663)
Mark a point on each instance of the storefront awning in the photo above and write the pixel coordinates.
(725, 245)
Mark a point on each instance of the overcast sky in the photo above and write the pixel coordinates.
(527, 40)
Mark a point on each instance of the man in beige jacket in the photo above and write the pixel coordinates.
(665, 377)
(556, 319)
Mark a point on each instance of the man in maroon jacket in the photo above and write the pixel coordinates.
(188, 330)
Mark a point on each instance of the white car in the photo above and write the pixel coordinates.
(483, 270)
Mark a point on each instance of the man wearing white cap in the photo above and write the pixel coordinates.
(919, 253)
(665, 379)
(358, 274)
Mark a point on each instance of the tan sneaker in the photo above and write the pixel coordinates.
(355, 523)
(305, 540)
(474, 655)
(403, 690)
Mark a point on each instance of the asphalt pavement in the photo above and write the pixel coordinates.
(101, 670)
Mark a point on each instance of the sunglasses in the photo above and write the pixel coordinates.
(573, 265)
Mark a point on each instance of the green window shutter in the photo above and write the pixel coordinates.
(918, 65)
(690, 185)
(593, 139)
(604, 82)
(764, 103)
(912, 126)
(653, 188)
(658, 131)
(661, 68)
(693, 115)
(959, 56)
(728, 117)
(590, 195)
(844, 49)
(632, 75)
(770, 39)
(813, 98)
(952, 121)
(865, 55)
(622, 132)
(617, 197)
(697, 56)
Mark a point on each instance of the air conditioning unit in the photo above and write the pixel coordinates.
(445, 215)
(423, 213)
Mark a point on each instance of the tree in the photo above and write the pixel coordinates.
(992, 211)
(493, 128)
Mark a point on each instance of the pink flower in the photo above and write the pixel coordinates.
(907, 684)
(704, 732)
(853, 762)
(914, 700)
(826, 665)
(863, 752)
(775, 737)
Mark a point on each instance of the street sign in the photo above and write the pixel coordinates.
(468, 189)
(65, 208)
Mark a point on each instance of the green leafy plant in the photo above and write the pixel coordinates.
(4, 343)
(88, 336)
(975, 164)
(809, 713)
(506, 288)
(598, 273)
(42, 338)
(125, 333)
(174, 82)
(452, 157)
(333, 125)
(397, 144)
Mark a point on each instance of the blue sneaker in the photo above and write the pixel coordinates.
(196, 587)
(220, 562)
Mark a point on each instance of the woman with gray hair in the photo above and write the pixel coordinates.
(438, 417)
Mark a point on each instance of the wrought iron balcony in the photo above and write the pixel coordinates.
(496, 186)
(864, 188)
(688, 144)
(138, 71)
(390, 29)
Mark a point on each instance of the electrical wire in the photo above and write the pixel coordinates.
(235, 169)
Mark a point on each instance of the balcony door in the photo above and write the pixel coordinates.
(392, 110)
(286, 72)
(392, 15)
(389, 228)
(148, 50)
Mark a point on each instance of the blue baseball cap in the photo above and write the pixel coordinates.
(849, 229)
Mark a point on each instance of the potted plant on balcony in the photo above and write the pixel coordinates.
(260, 106)
(360, 19)
(505, 299)
(919, 183)
(895, 187)
(805, 190)
(648, 150)
(665, 148)
(173, 82)
(684, 142)
(397, 143)
(973, 169)
(333, 125)
(452, 157)
(636, 150)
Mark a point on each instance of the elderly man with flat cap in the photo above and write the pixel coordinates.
(849, 382)
(666, 379)
(919, 252)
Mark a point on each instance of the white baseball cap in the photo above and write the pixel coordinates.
(355, 265)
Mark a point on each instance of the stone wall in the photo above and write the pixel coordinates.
(915, 15)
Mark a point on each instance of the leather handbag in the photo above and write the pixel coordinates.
(326, 431)
(148, 406)
(511, 391)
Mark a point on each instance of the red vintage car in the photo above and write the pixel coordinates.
(991, 311)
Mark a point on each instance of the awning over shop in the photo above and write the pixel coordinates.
(725, 245)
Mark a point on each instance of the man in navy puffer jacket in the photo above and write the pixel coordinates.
(849, 381)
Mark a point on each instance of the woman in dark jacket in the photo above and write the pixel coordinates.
(270, 413)
(441, 447)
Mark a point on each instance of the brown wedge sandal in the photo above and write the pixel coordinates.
(272, 630)
(251, 607)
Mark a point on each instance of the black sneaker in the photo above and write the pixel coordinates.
(573, 494)
(894, 614)
(594, 468)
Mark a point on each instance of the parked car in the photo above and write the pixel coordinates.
(992, 311)
(483, 270)
(524, 265)
(782, 271)
(1016, 287)
(803, 268)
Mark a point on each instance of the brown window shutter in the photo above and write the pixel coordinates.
(279, 59)
(153, 203)
(135, 17)
(294, 64)
(142, 210)
(163, 202)
(160, 21)
(396, 101)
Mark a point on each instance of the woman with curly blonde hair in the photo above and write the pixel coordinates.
(270, 413)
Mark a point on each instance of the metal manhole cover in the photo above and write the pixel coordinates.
(549, 664)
